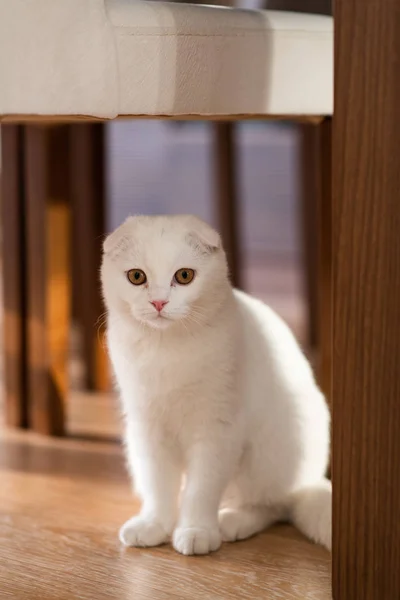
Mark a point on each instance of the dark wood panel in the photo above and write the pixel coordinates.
(309, 175)
(316, 222)
(48, 280)
(323, 7)
(88, 202)
(226, 197)
(366, 255)
(324, 259)
(13, 276)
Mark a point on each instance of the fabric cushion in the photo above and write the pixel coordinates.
(108, 58)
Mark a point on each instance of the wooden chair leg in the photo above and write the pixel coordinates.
(366, 334)
(324, 259)
(13, 276)
(309, 176)
(48, 278)
(227, 202)
(317, 244)
(88, 201)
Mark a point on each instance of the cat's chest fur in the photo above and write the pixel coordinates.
(156, 368)
(162, 367)
(174, 386)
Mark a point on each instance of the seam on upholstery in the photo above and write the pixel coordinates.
(112, 29)
(246, 33)
(205, 35)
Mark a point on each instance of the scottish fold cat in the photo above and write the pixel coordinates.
(226, 431)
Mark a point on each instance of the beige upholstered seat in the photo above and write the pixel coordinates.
(104, 58)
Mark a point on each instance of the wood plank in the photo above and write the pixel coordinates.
(226, 196)
(316, 220)
(48, 254)
(88, 203)
(308, 175)
(366, 254)
(324, 259)
(318, 7)
(62, 502)
(13, 276)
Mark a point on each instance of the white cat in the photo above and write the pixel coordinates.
(216, 393)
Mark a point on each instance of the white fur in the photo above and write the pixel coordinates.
(216, 395)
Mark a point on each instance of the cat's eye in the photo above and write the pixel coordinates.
(184, 276)
(136, 276)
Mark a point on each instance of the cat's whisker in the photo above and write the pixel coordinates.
(192, 319)
(101, 335)
(200, 317)
(186, 328)
(100, 327)
(102, 318)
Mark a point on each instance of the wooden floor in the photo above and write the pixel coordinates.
(61, 503)
(63, 500)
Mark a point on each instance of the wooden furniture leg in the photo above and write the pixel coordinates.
(88, 202)
(48, 280)
(227, 202)
(316, 158)
(366, 267)
(324, 259)
(13, 276)
(309, 175)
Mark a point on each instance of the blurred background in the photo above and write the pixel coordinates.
(155, 167)
(260, 169)
(163, 167)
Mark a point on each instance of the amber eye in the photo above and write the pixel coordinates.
(184, 276)
(137, 276)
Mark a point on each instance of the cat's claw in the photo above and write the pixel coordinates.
(196, 540)
(142, 532)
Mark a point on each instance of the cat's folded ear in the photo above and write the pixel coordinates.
(203, 235)
(119, 240)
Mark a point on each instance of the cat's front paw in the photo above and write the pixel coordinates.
(196, 540)
(142, 532)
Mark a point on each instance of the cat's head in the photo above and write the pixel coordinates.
(164, 269)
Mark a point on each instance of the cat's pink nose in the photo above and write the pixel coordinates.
(159, 304)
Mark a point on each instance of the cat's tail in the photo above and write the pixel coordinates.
(311, 512)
